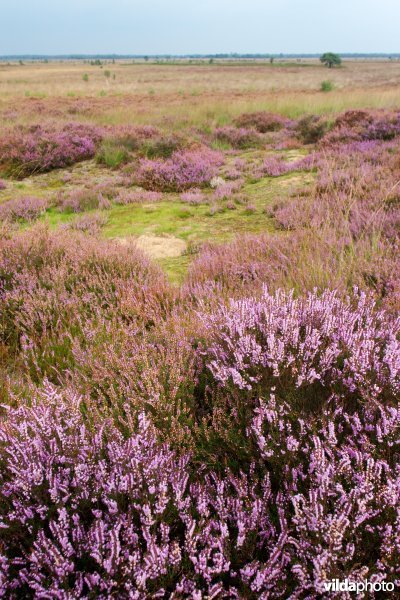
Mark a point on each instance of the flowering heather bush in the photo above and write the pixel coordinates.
(124, 142)
(358, 126)
(53, 284)
(263, 121)
(310, 390)
(274, 166)
(27, 208)
(88, 198)
(194, 196)
(185, 169)
(3, 185)
(353, 352)
(40, 149)
(311, 128)
(227, 189)
(237, 137)
(91, 223)
(137, 197)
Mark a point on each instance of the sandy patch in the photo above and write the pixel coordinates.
(157, 246)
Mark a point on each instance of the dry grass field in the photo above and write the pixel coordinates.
(191, 93)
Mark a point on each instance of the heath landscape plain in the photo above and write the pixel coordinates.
(199, 327)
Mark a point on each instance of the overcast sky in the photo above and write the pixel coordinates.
(199, 26)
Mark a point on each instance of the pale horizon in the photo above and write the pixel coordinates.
(94, 27)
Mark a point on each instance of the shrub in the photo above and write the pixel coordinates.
(52, 284)
(327, 86)
(353, 126)
(194, 196)
(302, 393)
(82, 199)
(227, 189)
(237, 137)
(3, 185)
(137, 197)
(103, 516)
(185, 169)
(162, 147)
(91, 223)
(311, 128)
(27, 208)
(124, 142)
(39, 149)
(262, 122)
(294, 343)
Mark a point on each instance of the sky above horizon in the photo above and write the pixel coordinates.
(203, 27)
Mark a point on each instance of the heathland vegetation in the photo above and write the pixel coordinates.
(199, 329)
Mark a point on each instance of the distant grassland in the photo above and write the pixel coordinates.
(185, 94)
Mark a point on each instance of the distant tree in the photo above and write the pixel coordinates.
(330, 59)
(271, 60)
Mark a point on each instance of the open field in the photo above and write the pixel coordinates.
(199, 328)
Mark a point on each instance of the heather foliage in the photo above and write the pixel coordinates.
(106, 514)
(278, 341)
(126, 143)
(263, 122)
(40, 149)
(311, 128)
(237, 137)
(53, 284)
(185, 169)
(91, 223)
(355, 126)
(83, 199)
(25, 209)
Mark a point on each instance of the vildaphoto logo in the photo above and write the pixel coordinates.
(335, 585)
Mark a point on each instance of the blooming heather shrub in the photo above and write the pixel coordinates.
(303, 260)
(87, 512)
(52, 284)
(91, 223)
(82, 199)
(116, 363)
(263, 121)
(121, 146)
(27, 208)
(311, 128)
(3, 185)
(227, 189)
(355, 126)
(40, 149)
(137, 197)
(185, 169)
(274, 167)
(194, 196)
(237, 137)
(297, 343)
